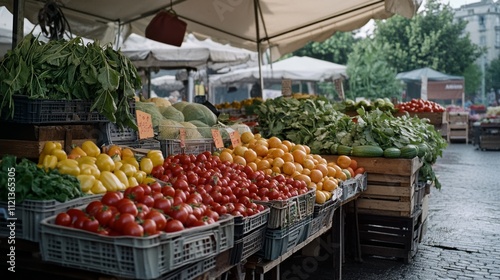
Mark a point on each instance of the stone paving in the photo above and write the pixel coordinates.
(463, 235)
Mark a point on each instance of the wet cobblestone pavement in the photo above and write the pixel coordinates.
(462, 240)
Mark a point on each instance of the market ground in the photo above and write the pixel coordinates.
(463, 235)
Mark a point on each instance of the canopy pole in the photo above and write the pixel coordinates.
(259, 51)
(18, 23)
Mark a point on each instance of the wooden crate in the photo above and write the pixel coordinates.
(28, 140)
(389, 236)
(392, 188)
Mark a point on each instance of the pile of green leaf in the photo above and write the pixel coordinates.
(70, 70)
(32, 182)
(309, 121)
(382, 129)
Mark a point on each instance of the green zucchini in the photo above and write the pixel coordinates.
(409, 151)
(392, 152)
(344, 150)
(367, 151)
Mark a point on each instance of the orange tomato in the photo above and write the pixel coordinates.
(343, 161)
(359, 170)
(354, 164)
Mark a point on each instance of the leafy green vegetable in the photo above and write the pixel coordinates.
(70, 70)
(32, 182)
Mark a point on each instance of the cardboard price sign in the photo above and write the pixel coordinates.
(286, 87)
(219, 143)
(182, 137)
(235, 137)
(145, 124)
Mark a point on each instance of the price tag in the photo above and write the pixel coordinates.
(217, 138)
(145, 124)
(182, 137)
(235, 138)
(286, 87)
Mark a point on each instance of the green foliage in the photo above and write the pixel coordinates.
(430, 39)
(335, 49)
(492, 74)
(472, 76)
(370, 75)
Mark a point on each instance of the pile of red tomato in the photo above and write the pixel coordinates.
(197, 190)
(420, 105)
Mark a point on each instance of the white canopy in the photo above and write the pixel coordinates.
(283, 25)
(297, 68)
(192, 53)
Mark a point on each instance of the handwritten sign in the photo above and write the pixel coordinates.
(286, 87)
(145, 124)
(235, 138)
(182, 137)
(217, 138)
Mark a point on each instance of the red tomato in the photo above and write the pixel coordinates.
(132, 229)
(75, 214)
(168, 190)
(104, 216)
(180, 184)
(149, 226)
(126, 205)
(174, 225)
(63, 219)
(111, 198)
(94, 207)
(155, 187)
(142, 210)
(157, 171)
(120, 221)
(158, 217)
(212, 214)
(148, 200)
(178, 212)
(163, 204)
(91, 225)
(135, 193)
(80, 222)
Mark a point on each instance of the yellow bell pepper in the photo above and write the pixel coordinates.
(148, 180)
(90, 169)
(49, 162)
(105, 163)
(140, 176)
(60, 154)
(127, 153)
(132, 182)
(146, 165)
(116, 158)
(68, 166)
(132, 161)
(129, 169)
(48, 147)
(111, 182)
(118, 165)
(122, 177)
(86, 182)
(156, 157)
(58, 145)
(91, 148)
(98, 187)
(86, 160)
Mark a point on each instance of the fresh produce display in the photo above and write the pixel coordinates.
(420, 105)
(35, 183)
(141, 210)
(99, 171)
(67, 70)
(349, 105)
(309, 121)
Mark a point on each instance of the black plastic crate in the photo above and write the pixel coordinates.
(244, 225)
(248, 245)
(45, 111)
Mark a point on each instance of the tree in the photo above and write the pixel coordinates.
(334, 49)
(370, 75)
(472, 77)
(493, 74)
(431, 39)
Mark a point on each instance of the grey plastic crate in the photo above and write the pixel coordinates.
(134, 257)
(191, 271)
(349, 188)
(30, 213)
(244, 225)
(248, 245)
(192, 146)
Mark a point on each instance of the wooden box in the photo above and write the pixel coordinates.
(392, 186)
(388, 236)
(25, 140)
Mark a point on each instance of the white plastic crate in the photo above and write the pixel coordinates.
(30, 213)
(134, 257)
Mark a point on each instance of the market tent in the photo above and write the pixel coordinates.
(255, 25)
(438, 86)
(297, 68)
